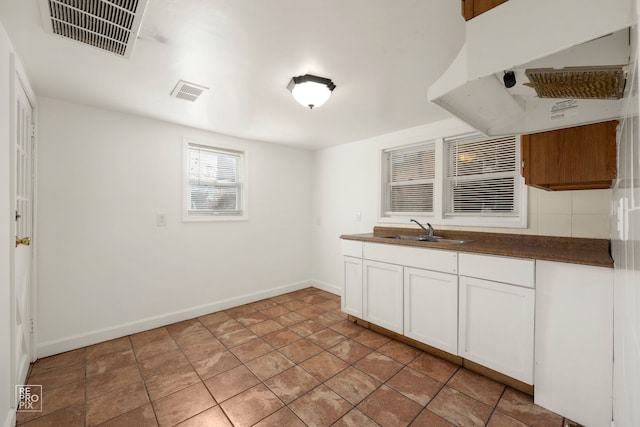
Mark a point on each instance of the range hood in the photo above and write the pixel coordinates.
(553, 45)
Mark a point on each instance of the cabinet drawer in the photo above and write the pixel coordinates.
(428, 259)
(516, 271)
(351, 248)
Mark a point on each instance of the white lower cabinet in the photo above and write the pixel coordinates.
(574, 335)
(482, 308)
(497, 326)
(352, 277)
(383, 295)
(431, 308)
(352, 288)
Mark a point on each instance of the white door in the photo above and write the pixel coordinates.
(21, 296)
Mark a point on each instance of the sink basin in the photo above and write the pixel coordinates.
(432, 239)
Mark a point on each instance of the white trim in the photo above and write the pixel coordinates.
(33, 310)
(10, 420)
(93, 337)
(328, 287)
(18, 77)
(12, 250)
(244, 173)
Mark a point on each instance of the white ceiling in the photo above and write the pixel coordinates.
(381, 54)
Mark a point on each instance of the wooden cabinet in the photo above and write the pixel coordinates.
(473, 8)
(431, 308)
(496, 322)
(573, 341)
(577, 158)
(383, 295)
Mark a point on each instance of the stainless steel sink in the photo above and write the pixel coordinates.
(432, 239)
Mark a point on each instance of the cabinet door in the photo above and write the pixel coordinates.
(383, 301)
(496, 326)
(431, 308)
(580, 157)
(574, 336)
(352, 286)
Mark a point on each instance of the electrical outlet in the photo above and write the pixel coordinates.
(358, 216)
(161, 220)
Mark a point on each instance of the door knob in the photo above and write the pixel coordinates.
(24, 241)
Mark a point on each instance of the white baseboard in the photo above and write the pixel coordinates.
(49, 348)
(336, 290)
(10, 421)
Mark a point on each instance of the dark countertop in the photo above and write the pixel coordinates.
(571, 250)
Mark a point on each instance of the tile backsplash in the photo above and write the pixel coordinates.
(579, 213)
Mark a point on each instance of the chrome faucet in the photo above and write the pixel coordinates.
(429, 231)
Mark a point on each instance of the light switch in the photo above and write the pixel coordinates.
(161, 220)
(358, 216)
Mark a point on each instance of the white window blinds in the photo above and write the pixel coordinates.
(214, 181)
(481, 176)
(410, 176)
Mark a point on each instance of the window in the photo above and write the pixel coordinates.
(481, 177)
(462, 180)
(215, 183)
(410, 180)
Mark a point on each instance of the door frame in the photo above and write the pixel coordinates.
(18, 78)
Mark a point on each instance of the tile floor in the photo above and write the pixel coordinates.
(291, 360)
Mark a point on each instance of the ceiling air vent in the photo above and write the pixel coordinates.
(110, 25)
(188, 91)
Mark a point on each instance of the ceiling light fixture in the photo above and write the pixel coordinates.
(311, 91)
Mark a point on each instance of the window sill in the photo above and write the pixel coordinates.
(215, 218)
(493, 222)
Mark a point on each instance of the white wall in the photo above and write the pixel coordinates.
(6, 414)
(105, 269)
(345, 181)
